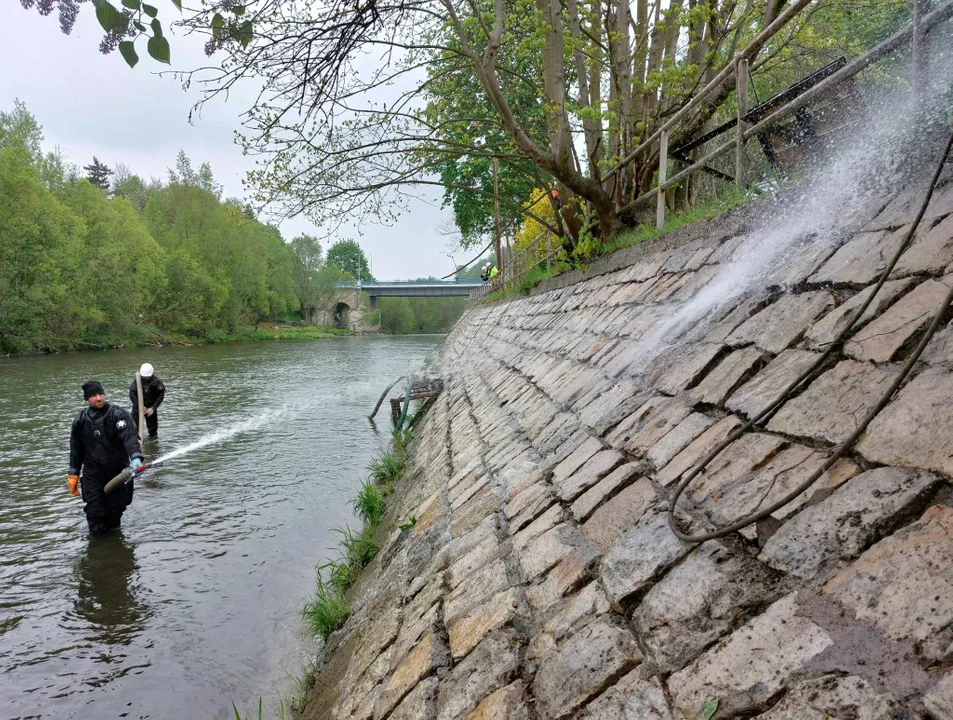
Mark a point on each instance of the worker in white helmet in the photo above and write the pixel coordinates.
(153, 392)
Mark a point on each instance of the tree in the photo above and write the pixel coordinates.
(349, 257)
(98, 174)
(559, 93)
(307, 262)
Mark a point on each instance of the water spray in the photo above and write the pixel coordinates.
(213, 438)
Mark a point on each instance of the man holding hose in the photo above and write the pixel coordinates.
(102, 442)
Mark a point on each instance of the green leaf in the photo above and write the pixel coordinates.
(131, 4)
(107, 15)
(238, 10)
(138, 26)
(710, 708)
(128, 52)
(150, 10)
(178, 4)
(244, 33)
(156, 28)
(158, 48)
(218, 24)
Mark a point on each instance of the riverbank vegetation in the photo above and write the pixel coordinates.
(329, 608)
(95, 257)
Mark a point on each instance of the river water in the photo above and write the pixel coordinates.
(196, 603)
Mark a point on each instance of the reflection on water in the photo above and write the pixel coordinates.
(197, 603)
(108, 590)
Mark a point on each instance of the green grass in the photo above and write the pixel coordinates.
(328, 610)
(369, 503)
(388, 467)
(731, 198)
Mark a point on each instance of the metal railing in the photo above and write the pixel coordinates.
(518, 264)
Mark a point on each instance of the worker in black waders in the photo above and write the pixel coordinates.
(153, 391)
(102, 442)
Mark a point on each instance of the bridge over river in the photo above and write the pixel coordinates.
(349, 311)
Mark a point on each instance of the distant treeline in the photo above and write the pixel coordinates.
(99, 257)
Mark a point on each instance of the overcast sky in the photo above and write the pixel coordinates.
(93, 104)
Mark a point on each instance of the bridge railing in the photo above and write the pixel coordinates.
(517, 265)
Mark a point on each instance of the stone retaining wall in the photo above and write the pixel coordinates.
(541, 579)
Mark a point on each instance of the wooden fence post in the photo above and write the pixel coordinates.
(741, 94)
(662, 174)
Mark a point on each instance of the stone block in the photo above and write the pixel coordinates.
(480, 586)
(593, 470)
(841, 526)
(904, 585)
(699, 448)
(620, 513)
(759, 392)
(885, 338)
(700, 601)
(483, 554)
(493, 664)
(577, 609)
(939, 700)
(593, 498)
(548, 549)
(682, 366)
(782, 323)
(736, 369)
(922, 409)
(833, 405)
(569, 573)
(478, 507)
(549, 519)
(728, 496)
(429, 654)
(826, 330)
(507, 703)
(674, 441)
(635, 697)
(752, 665)
(736, 464)
(930, 252)
(582, 667)
(832, 698)
(939, 351)
(527, 505)
(639, 556)
(467, 631)
(649, 423)
(721, 323)
(861, 259)
(420, 703)
(576, 459)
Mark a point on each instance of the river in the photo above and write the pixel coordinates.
(196, 603)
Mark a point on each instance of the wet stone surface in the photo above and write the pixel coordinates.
(543, 580)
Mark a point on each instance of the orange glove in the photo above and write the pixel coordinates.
(72, 482)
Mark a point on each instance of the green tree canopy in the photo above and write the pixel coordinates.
(350, 257)
(98, 174)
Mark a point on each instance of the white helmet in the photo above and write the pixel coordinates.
(146, 370)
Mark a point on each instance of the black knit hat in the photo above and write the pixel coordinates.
(92, 387)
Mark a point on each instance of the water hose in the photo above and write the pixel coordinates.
(403, 412)
(808, 374)
(380, 400)
(127, 475)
